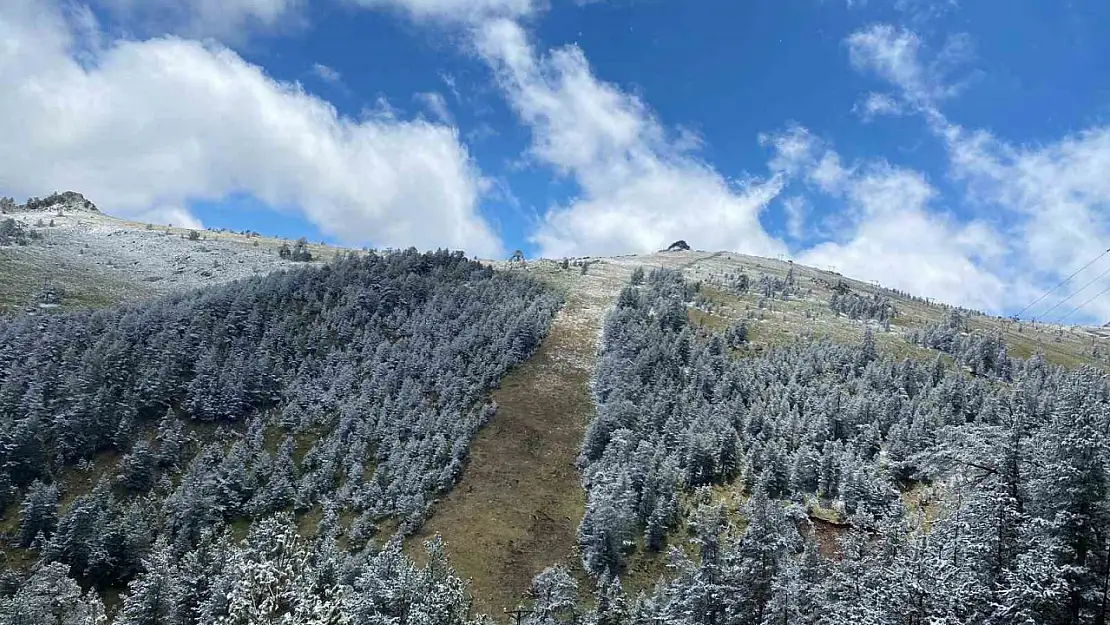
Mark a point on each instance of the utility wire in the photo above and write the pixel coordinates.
(1102, 275)
(1066, 280)
(1077, 308)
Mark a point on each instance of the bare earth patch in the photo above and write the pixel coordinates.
(517, 508)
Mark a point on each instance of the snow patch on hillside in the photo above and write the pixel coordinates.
(155, 259)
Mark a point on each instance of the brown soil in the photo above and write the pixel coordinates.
(518, 505)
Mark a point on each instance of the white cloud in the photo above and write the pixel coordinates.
(796, 152)
(1056, 195)
(446, 11)
(641, 187)
(895, 55)
(436, 105)
(795, 208)
(229, 20)
(793, 150)
(169, 216)
(892, 54)
(877, 105)
(156, 123)
(327, 74)
(890, 229)
(912, 249)
(1054, 198)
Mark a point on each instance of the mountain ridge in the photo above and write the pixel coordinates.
(99, 259)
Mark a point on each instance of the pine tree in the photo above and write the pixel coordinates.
(759, 557)
(137, 468)
(50, 597)
(637, 276)
(38, 514)
(157, 596)
(1073, 492)
(556, 595)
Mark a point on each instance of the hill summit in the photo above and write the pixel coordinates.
(57, 202)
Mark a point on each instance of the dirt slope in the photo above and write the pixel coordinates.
(517, 508)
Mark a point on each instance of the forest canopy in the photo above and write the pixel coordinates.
(346, 394)
(875, 490)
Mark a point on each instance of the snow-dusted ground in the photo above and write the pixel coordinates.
(99, 259)
(777, 322)
(164, 258)
(131, 260)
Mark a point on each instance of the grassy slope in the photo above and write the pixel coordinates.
(24, 270)
(517, 508)
(518, 505)
(783, 322)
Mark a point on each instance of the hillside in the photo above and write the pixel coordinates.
(740, 439)
(89, 258)
(97, 259)
(497, 520)
(808, 313)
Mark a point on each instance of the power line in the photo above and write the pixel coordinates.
(1077, 308)
(1066, 280)
(1044, 315)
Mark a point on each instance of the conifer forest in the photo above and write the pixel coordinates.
(264, 451)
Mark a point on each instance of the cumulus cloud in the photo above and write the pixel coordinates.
(891, 228)
(641, 185)
(229, 20)
(1057, 196)
(144, 125)
(1054, 197)
(912, 248)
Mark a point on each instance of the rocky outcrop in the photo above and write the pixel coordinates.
(60, 202)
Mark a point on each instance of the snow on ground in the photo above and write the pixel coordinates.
(137, 260)
(99, 259)
(774, 322)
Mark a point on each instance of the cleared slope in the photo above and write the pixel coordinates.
(518, 505)
(517, 508)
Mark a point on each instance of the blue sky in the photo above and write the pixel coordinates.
(956, 150)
